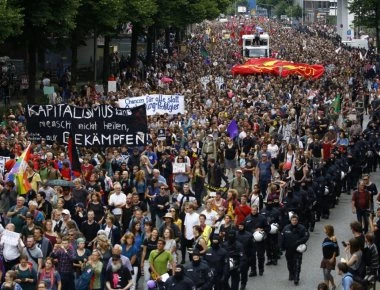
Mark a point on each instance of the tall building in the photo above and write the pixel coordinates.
(318, 10)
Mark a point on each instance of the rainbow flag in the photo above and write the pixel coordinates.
(18, 172)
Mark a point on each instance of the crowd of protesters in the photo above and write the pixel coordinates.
(129, 218)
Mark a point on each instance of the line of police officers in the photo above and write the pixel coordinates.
(290, 212)
(226, 263)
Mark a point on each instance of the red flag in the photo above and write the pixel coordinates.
(74, 158)
(278, 67)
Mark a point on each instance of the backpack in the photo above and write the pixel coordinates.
(84, 281)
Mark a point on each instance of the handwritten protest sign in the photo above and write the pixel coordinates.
(112, 86)
(179, 167)
(3, 159)
(156, 104)
(10, 238)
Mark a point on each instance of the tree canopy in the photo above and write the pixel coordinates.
(367, 14)
(44, 24)
(11, 20)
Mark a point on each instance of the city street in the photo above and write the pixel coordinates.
(276, 277)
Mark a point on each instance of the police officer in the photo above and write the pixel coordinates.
(294, 235)
(217, 259)
(292, 203)
(322, 192)
(272, 215)
(236, 259)
(245, 238)
(199, 272)
(256, 222)
(178, 281)
(311, 200)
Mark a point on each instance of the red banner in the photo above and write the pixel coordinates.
(278, 67)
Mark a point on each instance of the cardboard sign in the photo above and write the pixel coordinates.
(112, 86)
(10, 238)
(179, 167)
(48, 90)
(3, 160)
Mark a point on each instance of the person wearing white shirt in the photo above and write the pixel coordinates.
(191, 220)
(211, 215)
(273, 150)
(11, 252)
(118, 200)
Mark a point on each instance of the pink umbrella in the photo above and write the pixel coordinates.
(166, 80)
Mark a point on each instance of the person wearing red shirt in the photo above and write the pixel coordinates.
(242, 210)
(87, 169)
(326, 148)
(66, 171)
(361, 205)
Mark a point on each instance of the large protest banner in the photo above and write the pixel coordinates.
(156, 104)
(114, 127)
(94, 127)
(50, 122)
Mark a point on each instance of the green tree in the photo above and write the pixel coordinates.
(45, 21)
(294, 11)
(280, 8)
(140, 13)
(367, 13)
(11, 20)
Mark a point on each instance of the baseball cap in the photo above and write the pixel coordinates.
(79, 204)
(66, 211)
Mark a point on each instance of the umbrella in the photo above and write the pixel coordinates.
(60, 182)
(166, 80)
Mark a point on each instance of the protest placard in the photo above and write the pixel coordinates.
(10, 238)
(3, 159)
(156, 104)
(48, 90)
(112, 86)
(179, 167)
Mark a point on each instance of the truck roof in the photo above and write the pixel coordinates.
(252, 36)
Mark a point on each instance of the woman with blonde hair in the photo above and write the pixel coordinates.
(140, 184)
(198, 176)
(94, 261)
(330, 250)
(145, 165)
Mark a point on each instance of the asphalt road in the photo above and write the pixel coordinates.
(276, 277)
